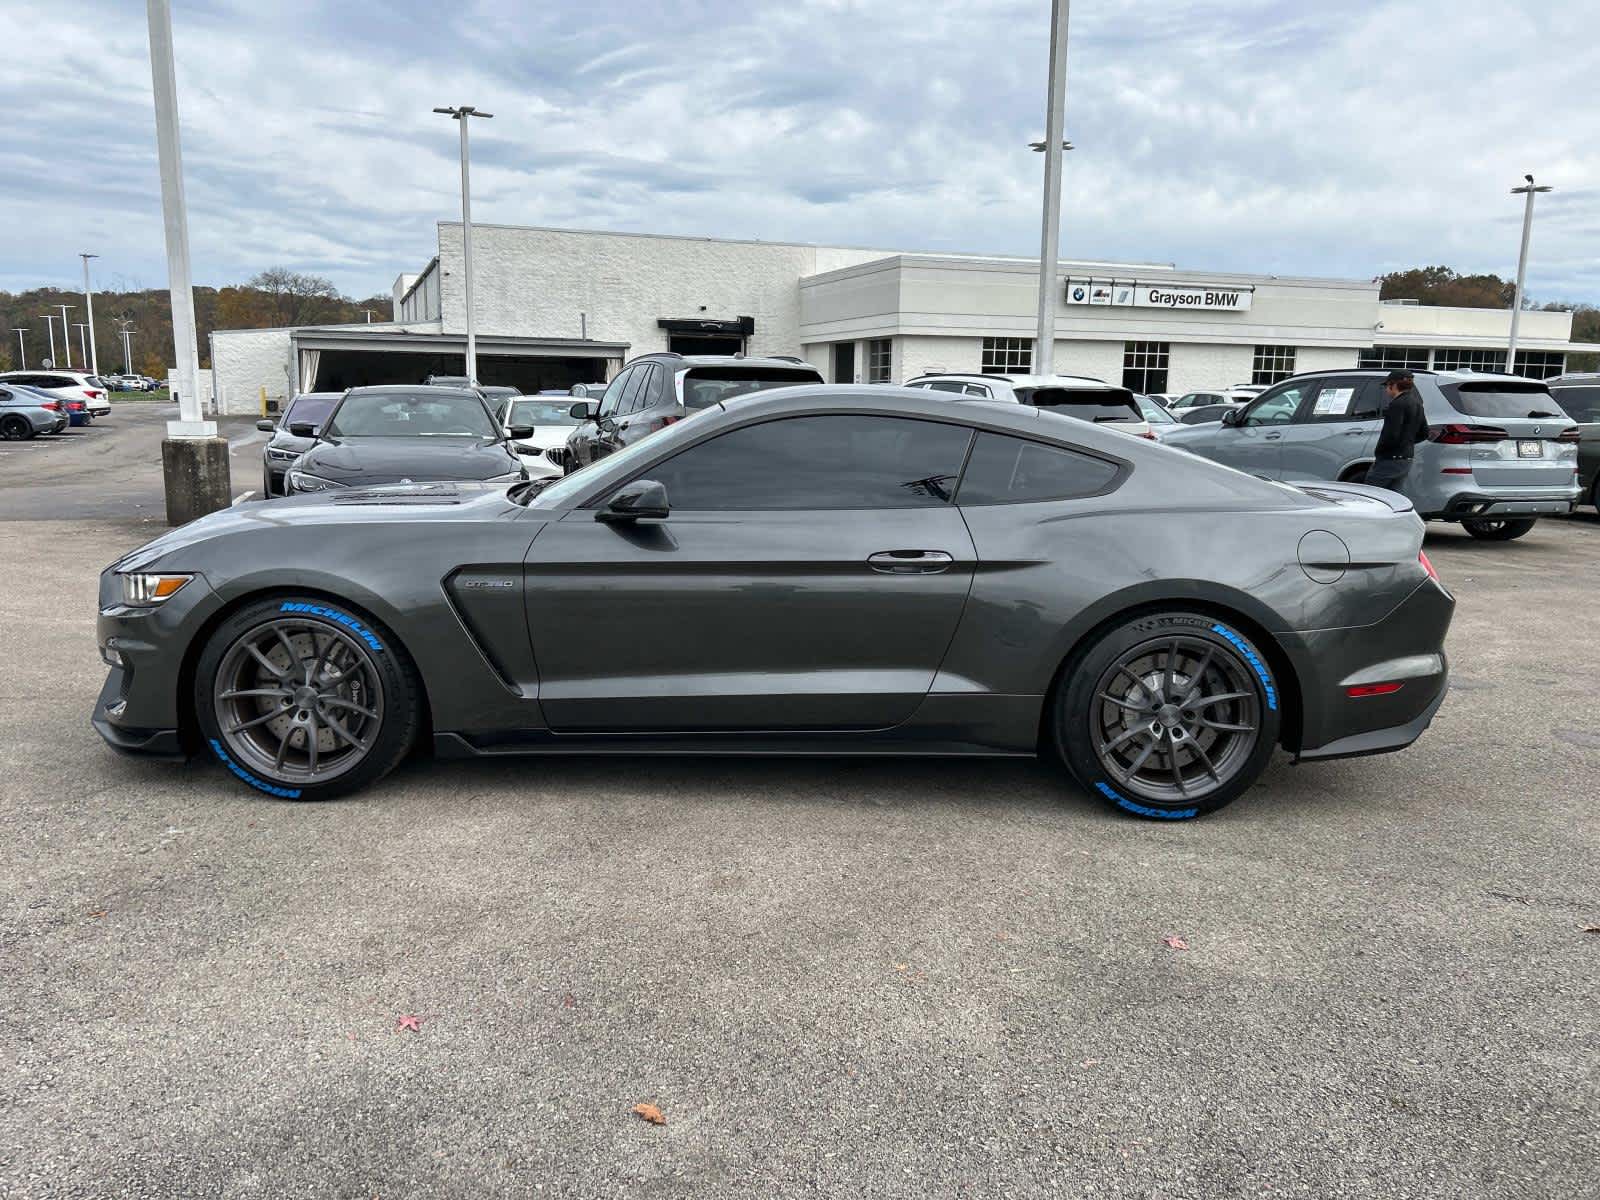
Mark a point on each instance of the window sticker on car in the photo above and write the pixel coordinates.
(1332, 402)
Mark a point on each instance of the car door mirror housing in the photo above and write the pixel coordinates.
(1234, 416)
(643, 498)
(266, 426)
(521, 431)
(584, 410)
(303, 429)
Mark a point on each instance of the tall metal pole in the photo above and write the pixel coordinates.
(50, 324)
(66, 333)
(83, 341)
(93, 357)
(1522, 266)
(22, 349)
(186, 356)
(127, 354)
(1044, 355)
(463, 113)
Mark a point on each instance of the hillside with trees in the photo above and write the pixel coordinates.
(1442, 286)
(275, 297)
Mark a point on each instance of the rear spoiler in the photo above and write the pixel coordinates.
(1355, 494)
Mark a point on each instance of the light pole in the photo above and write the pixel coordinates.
(22, 349)
(193, 458)
(1529, 189)
(461, 113)
(93, 357)
(1044, 355)
(127, 351)
(83, 341)
(66, 334)
(50, 325)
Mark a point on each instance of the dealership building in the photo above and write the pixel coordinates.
(556, 307)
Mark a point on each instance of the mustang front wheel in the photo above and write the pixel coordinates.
(304, 699)
(1169, 716)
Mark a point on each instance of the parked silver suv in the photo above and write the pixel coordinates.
(1500, 451)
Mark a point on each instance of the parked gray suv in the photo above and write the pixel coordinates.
(1579, 397)
(1500, 451)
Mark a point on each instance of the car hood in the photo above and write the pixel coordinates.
(408, 502)
(377, 460)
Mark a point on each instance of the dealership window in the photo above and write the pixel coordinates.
(1455, 359)
(1144, 366)
(1413, 358)
(1540, 364)
(1272, 364)
(880, 359)
(1007, 356)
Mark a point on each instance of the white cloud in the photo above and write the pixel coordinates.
(1257, 135)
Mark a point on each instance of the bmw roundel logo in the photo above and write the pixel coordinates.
(1077, 293)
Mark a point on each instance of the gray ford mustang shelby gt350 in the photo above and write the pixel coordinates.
(834, 570)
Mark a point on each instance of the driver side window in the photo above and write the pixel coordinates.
(613, 396)
(1278, 407)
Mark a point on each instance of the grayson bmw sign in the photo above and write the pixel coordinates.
(1133, 294)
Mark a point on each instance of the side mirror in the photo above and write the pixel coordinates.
(266, 426)
(1233, 416)
(302, 429)
(583, 410)
(633, 501)
(521, 431)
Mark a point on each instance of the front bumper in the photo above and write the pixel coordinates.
(1405, 647)
(147, 743)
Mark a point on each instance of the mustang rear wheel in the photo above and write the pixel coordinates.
(1497, 529)
(304, 699)
(1169, 716)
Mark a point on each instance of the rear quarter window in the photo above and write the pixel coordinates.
(1087, 404)
(1501, 398)
(1008, 470)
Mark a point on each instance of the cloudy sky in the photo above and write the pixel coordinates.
(1347, 137)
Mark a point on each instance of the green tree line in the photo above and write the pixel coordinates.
(272, 298)
(1441, 285)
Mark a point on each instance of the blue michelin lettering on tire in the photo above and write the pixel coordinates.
(259, 785)
(1144, 810)
(333, 614)
(1243, 647)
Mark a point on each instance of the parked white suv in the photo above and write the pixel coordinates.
(66, 385)
(1070, 395)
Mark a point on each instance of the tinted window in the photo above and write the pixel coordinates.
(543, 412)
(614, 393)
(629, 400)
(705, 386)
(391, 414)
(1501, 398)
(946, 385)
(1008, 470)
(1579, 403)
(1087, 404)
(314, 409)
(819, 462)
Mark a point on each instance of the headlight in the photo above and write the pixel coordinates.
(304, 481)
(282, 455)
(145, 590)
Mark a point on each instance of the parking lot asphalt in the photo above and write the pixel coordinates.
(832, 978)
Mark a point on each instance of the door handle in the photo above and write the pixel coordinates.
(1272, 437)
(909, 562)
(1355, 433)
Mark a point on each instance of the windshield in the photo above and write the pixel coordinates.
(542, 412)
(705, 386)
(309, 408)
(1501, 398)
(1154, 413)
(1087, 404)
(392, 414)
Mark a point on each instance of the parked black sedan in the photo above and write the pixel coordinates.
(284, 446)
(404, 433)
(834, 570)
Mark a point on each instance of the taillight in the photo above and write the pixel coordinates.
(51, 406)
(1569, 435)
(1464, 435)
(92, 394)
(1427, 566)
(1372, 689)
(74, 405)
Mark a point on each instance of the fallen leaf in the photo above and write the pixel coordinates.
(569, 1001)
(410, 1022)
(1591, 928)
(1090, 1062)
(901, 966)
(98, 913)
(1174, 942)
(649, 1112)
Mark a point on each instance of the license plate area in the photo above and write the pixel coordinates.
(1530, 448)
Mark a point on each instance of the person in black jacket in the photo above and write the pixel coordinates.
(1403, 427)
